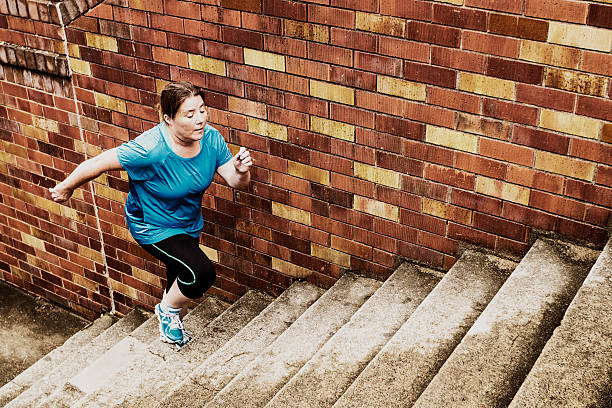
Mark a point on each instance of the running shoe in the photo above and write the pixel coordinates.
(171, 329)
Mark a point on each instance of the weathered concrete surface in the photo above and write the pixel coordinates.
(575, 367)
(105, 367)
(148, 378)
(406, 365)
(334, 367)
(32, 329)
(219, 369)
(78, 360)
(261, 379)
(491, 362)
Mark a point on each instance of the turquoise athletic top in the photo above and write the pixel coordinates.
(166, 189)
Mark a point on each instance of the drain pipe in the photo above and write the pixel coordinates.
(82, 134)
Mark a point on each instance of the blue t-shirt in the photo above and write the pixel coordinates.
(166, 189)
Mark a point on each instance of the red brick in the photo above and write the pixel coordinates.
(354, 116)
(291, 183)
(597, 62)
(433, 33)
(285, 45)
(459, 17)
(353, 217)
(160, 71)
(353, 78)
(400, 127)
(258, 22)
(398, 198)
(253, 6)
(581, 231)
(592, 150)
(430, 114)
(333, 55)
(491, 44)
(453, 99)
(513, 112)
(564, 10)
(245, 38)
(362, 5)
(396, 230)
(529, 216)
(506, 151)
(514, 70)
(380, 64)
(599, 15)
(375, 240)
(541, 140)
(354, 39)
(545, 97)
(379, 140)
(181, 8)
(557, 205)
(265, 95)
(518, 27)
(604, 175)
(287, 118)
(307, 68)
(381, 103)
(438, 242)
(589, 192)
(405, 49)
(203, 29)
(186, 43)
(450, 176)
(430, 74)
(595, 107)
(499, 227)
(412, 9)
(350, 184)
(429, 153)
(286, 82)
(418, 186)
(476, 202)
(220, 15)
(459, 59)
(284, 8)
(352, 151)
(606, 133)
(598, 216)
(466, 234)
(331, 16)
(536, 179)
(511, 246)
(167, 23)
(421, 254)
(511, 6)
(399, 164)
(309, 140)
(480, 165)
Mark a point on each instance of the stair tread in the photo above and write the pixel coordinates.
(261, 379)
(144, 379)
(575, 365)
(79, 359)
(329, 373)
(493, 358)
(39, 369)
(119, 356)
(407, 363)
(219, 369)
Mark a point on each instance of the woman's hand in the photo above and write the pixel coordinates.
(60, 194)
(243, 161)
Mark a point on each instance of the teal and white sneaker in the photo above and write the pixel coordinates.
(171, 329)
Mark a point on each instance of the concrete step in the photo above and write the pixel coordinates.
(120, 355)
(405, 366)
(334, 367)
(267, 374)
(575, 367)
(221, 367)
(141, 382)
(78, 360)
(39, 369)
(492, 360)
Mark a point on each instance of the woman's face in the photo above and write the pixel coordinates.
(188, 123)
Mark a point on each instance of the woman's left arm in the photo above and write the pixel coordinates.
(236, 171)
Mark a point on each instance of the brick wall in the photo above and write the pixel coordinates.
(380, 129)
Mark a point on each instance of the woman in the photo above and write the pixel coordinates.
(169, 168)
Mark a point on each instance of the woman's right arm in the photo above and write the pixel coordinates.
(86, 171)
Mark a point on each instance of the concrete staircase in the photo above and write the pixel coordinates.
(488, 333)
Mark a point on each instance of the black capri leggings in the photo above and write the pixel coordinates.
(186, 263)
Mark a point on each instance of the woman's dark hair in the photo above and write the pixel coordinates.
(175, 93)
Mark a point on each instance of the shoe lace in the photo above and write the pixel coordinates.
(177, 323)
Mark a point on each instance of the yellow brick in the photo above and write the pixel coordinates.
(252, 228)
(564, 165)
(263, 128)
(89, 253)
(376, 208)
(451, 138)
(122, 233)
(599, 39)
(330, 255)
(264, 59)
(46, 124)
(447, 211)
(101, 42)
(380, 24)
(336, 93)
(124, 289)
(80, 66)
(38, 263)
(15, 150)
(503, 190)
(146, 276)
(72, 214)
(377, 175)
(484, 85)
(570, 123)
(211, 253)
(7, 158)
(401, 88)
(92, 150)
(308, 172)
(35, 133)
(84, 282)
(290, 269)
(109, 102)
(332, 128)
(549, 54)
(291, 213)
(577, 82)
(21, 274)
(246, 107)
(205, 64)
(307, 31)
(33, 241)
(109, 193)
(160, 84)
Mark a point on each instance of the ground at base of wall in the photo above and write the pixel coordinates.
(30, 328)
